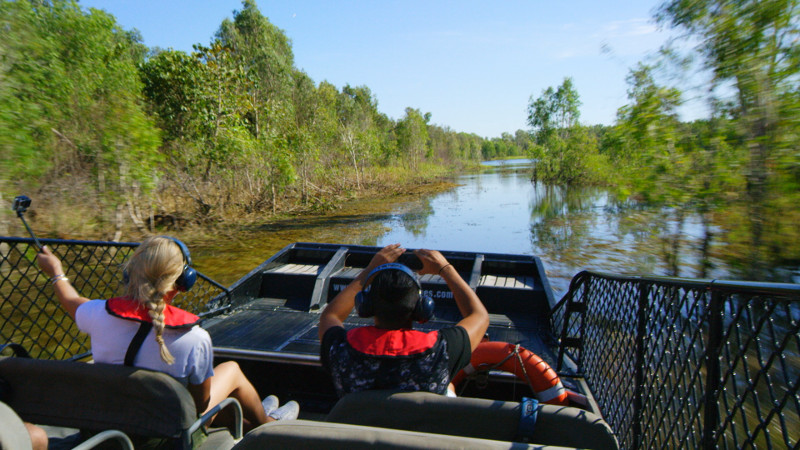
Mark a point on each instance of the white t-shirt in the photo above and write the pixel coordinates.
(111, 336)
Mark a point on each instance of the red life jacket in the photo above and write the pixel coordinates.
(125, 308)
(128, 309)
(374, 358)
(382, 342)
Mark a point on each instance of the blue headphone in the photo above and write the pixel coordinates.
(188, 275)
(365, 304)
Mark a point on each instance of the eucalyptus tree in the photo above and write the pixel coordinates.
(223, 137)
(555, 112)
(683, 168)
(470, 145)
(750, 47)
(357, 109)
(522, 139)
(650, 162)
(263, 55)
(412, 136)
(22, 122)
(325, 128)
(713, 149)
(565, 151)
(176, 86)
(646, 134)
(199, 105)
(308, 116)
(444, 144)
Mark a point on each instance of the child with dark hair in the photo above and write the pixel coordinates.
(396, 293)
(390, 354)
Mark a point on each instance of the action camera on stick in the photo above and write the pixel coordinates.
(20, 205)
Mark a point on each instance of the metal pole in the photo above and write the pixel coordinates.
(638, 375)
(711, 403)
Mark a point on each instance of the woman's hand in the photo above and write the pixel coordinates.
(67, 295)
(432, 261)
(49, 263)
(388, 254)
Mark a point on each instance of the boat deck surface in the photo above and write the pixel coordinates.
(264, 326)
(285, 328)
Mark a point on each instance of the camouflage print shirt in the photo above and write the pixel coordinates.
(405, 359)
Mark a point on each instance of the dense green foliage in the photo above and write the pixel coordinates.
(116, 133)
(72, 111)
(750, 47)
(108, 134)
(566, 152)
(740, 164)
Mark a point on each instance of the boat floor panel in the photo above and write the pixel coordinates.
(266, 325)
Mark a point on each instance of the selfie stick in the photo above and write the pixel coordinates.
(21, 204)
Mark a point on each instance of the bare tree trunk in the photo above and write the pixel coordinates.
(761, 116)
(304, 186)
(674, 257)
(350, 144)
(274, 198)
(355, 166)
(4, 248)
(118, 223)
(705, 246)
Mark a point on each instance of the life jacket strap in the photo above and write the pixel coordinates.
(136, 342)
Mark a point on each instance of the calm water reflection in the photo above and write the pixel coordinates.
(501, 211)
(498, 211)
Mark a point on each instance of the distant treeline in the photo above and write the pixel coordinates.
(108, 133)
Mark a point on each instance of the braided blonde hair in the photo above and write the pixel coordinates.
(152, 271)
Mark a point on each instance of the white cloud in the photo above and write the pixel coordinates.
(628, 28)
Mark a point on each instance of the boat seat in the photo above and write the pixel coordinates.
(308, 434)
(151, 407)
(473, 417)
(13, 434)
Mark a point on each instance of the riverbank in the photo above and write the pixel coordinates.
(62, 213)
(227, 251)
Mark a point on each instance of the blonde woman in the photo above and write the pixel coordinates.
(143, 329)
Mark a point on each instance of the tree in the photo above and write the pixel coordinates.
(174, 85)
(75, 102)
(650, 162)
(263, 55)
(646, 135)
(565, 151)
(356, 110)
(556, 111)
(304, 150)
(751, 46)
(412, 136)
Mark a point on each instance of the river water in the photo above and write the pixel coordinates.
(502, 211)
(496, 211)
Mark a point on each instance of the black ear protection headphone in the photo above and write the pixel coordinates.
(365, 304)
(188, 275)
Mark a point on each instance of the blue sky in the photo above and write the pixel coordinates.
(472, 64)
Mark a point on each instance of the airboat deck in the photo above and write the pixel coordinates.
(672, 362)
(274, 309)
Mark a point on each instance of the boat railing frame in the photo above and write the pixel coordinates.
(686, 363)
(671, 362)
(30, 315)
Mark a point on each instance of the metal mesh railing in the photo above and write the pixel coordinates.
(31, 316)
(676, 363)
